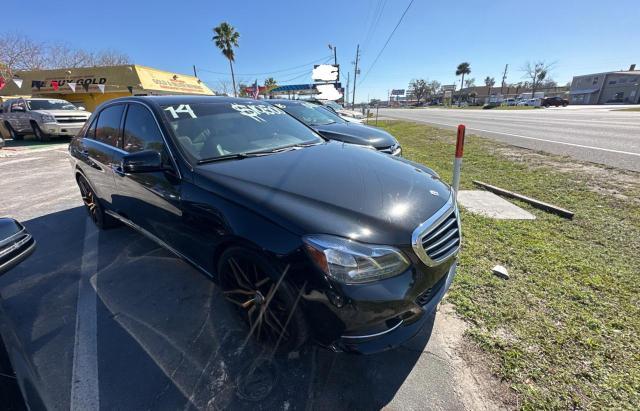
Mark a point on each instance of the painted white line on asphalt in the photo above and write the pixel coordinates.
(528, 138)
(85, 393)
(19, 160)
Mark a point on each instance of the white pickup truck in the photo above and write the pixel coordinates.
(41, 117)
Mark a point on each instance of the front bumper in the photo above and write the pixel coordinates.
(59, 129)
(404, 327)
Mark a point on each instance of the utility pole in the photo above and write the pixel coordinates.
(504, 78)
(346, 96)
(195, 73)
(355, 76)
(335, 56)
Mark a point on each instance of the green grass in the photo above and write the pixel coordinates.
(629, 109)
(564, 330)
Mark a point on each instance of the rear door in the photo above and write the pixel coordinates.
(101, 151)
(150, 200)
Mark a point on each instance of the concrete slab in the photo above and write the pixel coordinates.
(490, 205)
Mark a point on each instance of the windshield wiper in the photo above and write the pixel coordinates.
(239, 156)
(224, 157)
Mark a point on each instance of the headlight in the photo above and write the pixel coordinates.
(351, 262)
(48, 118)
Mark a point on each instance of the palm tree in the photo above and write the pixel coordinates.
(270, 84)
(489, 82)
(226, 39)
(462, 69)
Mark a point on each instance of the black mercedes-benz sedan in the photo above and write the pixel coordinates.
(308, 238)
(330, 125)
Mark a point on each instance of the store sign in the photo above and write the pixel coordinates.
(397, 92)
(325, 72)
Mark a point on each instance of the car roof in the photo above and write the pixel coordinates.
(286, 101)
(183, 99)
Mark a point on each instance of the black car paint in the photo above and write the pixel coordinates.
(268, 203)
(348, 132)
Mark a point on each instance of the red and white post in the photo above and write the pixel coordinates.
(457, 162)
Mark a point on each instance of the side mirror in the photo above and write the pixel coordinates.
(16, 244)
(144, 161)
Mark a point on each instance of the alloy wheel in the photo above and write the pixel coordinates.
(89, 199)
(258, 299)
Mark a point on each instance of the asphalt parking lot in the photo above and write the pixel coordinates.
(107, 319)
(591, 133)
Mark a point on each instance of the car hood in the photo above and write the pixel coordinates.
(74, 113)
(357, 134)
(332, 188)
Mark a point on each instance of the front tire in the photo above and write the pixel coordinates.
(40, 135)
(269, 307)
(92, 204)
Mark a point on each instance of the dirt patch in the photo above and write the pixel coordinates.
(600, 179)
(477, 386)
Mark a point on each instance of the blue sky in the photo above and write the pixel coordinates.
(581, 36)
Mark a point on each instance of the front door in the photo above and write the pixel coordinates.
(150, 200)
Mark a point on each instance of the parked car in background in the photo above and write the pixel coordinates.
(1, 142)
(349, 115)
(44, 118)
(307, 238)
(554, 101)
(509, 102)
(334, 127)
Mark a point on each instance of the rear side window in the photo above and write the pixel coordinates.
(90, 129)
(108, 126)
(141, 131)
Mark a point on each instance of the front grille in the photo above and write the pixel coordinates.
(443, 239)
(390, 150)
(67, 119)
(439, 237)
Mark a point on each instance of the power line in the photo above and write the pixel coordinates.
(270, 72)
(374, 26)
(386, 43)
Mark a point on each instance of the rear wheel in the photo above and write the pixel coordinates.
(40, 135)
(269, 307)
(92, 204)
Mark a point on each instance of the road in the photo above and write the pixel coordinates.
(107, 319)
(592, 133)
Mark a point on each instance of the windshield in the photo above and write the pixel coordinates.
(212, 130)
(50, 105)
(310, 114)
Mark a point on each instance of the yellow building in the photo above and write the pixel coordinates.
(95, 85)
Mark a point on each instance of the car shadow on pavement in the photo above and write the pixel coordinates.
(164, 335)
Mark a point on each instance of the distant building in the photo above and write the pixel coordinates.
(614, 87)
(90, 86)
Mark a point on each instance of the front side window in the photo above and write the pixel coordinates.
(18, 105)
(50, 105)
(108, 126)
(141, 131)
(310, 114)
(210, 130)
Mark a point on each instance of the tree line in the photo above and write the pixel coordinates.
(19, 52)
(536, 74)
